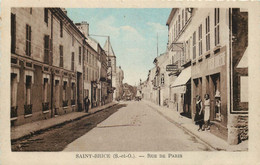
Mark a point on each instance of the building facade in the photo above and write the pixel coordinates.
(209, 57)
(52, 65)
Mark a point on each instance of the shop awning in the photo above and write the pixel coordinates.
(183, 78)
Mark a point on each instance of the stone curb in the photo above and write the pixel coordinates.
(58, 124)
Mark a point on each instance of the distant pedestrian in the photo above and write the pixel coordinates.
(207, 111)
(86, 102)
(199, 114)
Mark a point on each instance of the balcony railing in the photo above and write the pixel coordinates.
(28, 109)
(14, 111)
(45, 106)
(73, 102)
(65, 103)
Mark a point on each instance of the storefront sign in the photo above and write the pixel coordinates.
(171, 68)
(216, 61)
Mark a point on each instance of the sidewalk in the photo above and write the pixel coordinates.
(185, 123)
(38, 126)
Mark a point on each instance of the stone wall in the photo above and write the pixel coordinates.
(238, 128)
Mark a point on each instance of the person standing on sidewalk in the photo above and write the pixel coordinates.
(199, 114)
(86, 102)
(207, 111)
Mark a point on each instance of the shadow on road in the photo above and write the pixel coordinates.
(57, 138)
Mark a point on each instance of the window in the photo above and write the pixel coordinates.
(45, 90)
(179, 23)
(72, 61)
(162, 79)
(216, 26)
(186, 15)
(13, 33)
(61, 56)
(109, 62)
(73, 94)
(61, 28)
(93, 76)
(13, 90)
(46, 49)
(194, 45)
(87, 55)
(182, 18)
(207, 34)
(200, 39)
(30, 10)
(72, 41)
(84, 54)
(64, 94)
(46, 16)
(28, 90)
(28, 40)
(87, 74)
(80, 55)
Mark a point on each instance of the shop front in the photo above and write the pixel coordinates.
(180, 91)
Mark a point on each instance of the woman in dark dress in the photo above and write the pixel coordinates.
(199, 118)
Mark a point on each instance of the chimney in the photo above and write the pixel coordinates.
(83, 27)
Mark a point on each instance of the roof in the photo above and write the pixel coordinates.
(108, 48)
(171, 16)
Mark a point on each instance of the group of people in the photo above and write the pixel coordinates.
(202, 115)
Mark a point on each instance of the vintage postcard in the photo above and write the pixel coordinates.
(127, 82)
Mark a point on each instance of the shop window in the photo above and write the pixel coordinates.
(13, 32)
(207, 34)
(28, 90)
(28, 105)
(57, 93)
(73, 94)
(216, 26)
(200, 39)
(28, 40)
(45, 104)
(194, 45)
(45, 90)
(13, 90)
(64, 94)
(217, 96)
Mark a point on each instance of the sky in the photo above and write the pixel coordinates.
(133, 35)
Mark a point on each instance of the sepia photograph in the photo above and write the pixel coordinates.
(128, 83)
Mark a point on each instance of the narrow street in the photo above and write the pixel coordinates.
(136, 127)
